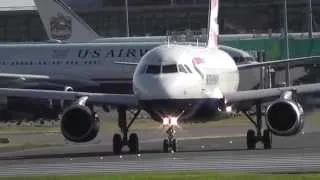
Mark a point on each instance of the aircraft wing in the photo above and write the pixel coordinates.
(95, 98)
(22, 76)
(264, 95)
(302, 61)
(293, 62)
(74, 81)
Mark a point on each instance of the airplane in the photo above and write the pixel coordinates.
(173, 83)
(89, 67)
(101, 55)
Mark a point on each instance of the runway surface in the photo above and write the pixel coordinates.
(300, 153)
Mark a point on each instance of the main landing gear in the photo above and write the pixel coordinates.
(120, 141)
(252, 137)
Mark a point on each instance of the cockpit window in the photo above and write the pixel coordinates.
(182, 69)
(169, 68)
(153, 69)
(143, 69)
(189, 70)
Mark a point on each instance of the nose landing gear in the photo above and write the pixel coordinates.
(171, 142)
(171, 123)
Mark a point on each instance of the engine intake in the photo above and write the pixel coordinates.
(79, 123)
(285, 118)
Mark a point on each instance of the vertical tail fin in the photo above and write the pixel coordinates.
(61, 23)
(213, 26)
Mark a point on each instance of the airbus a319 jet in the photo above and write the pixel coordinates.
(176, 83)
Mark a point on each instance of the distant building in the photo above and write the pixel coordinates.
(19, 20)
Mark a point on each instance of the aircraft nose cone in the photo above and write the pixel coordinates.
(165, 87)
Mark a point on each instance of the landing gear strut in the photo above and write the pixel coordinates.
(171, 142)
(252, 137)
(120, 141)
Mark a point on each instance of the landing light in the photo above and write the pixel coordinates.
(229, 109)
(174, 121)
(165, 121)
(170, 121)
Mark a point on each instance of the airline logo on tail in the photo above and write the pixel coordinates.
(62, 24)
(61, 27)
(213, 26)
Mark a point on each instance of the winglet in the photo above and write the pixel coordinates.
(213, 26)
(61, 23)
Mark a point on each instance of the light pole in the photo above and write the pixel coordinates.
(127, 19)
(310, 18)
(287, 41)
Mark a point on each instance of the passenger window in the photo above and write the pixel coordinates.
(153, 69)
(169, 68)
(189, 70)
(181, 69)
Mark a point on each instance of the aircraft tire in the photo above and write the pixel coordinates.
(251, 141)
(166, 145)
(117, 144)
(133, 143)
(174, 145)
(267, 142)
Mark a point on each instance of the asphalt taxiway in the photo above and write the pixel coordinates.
(299, 153)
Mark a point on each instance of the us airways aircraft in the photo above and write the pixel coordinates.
(173, 83)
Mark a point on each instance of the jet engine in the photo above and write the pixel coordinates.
(285, 117)
(79, 123)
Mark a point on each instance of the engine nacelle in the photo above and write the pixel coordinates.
(285, 117)
(79, 123)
